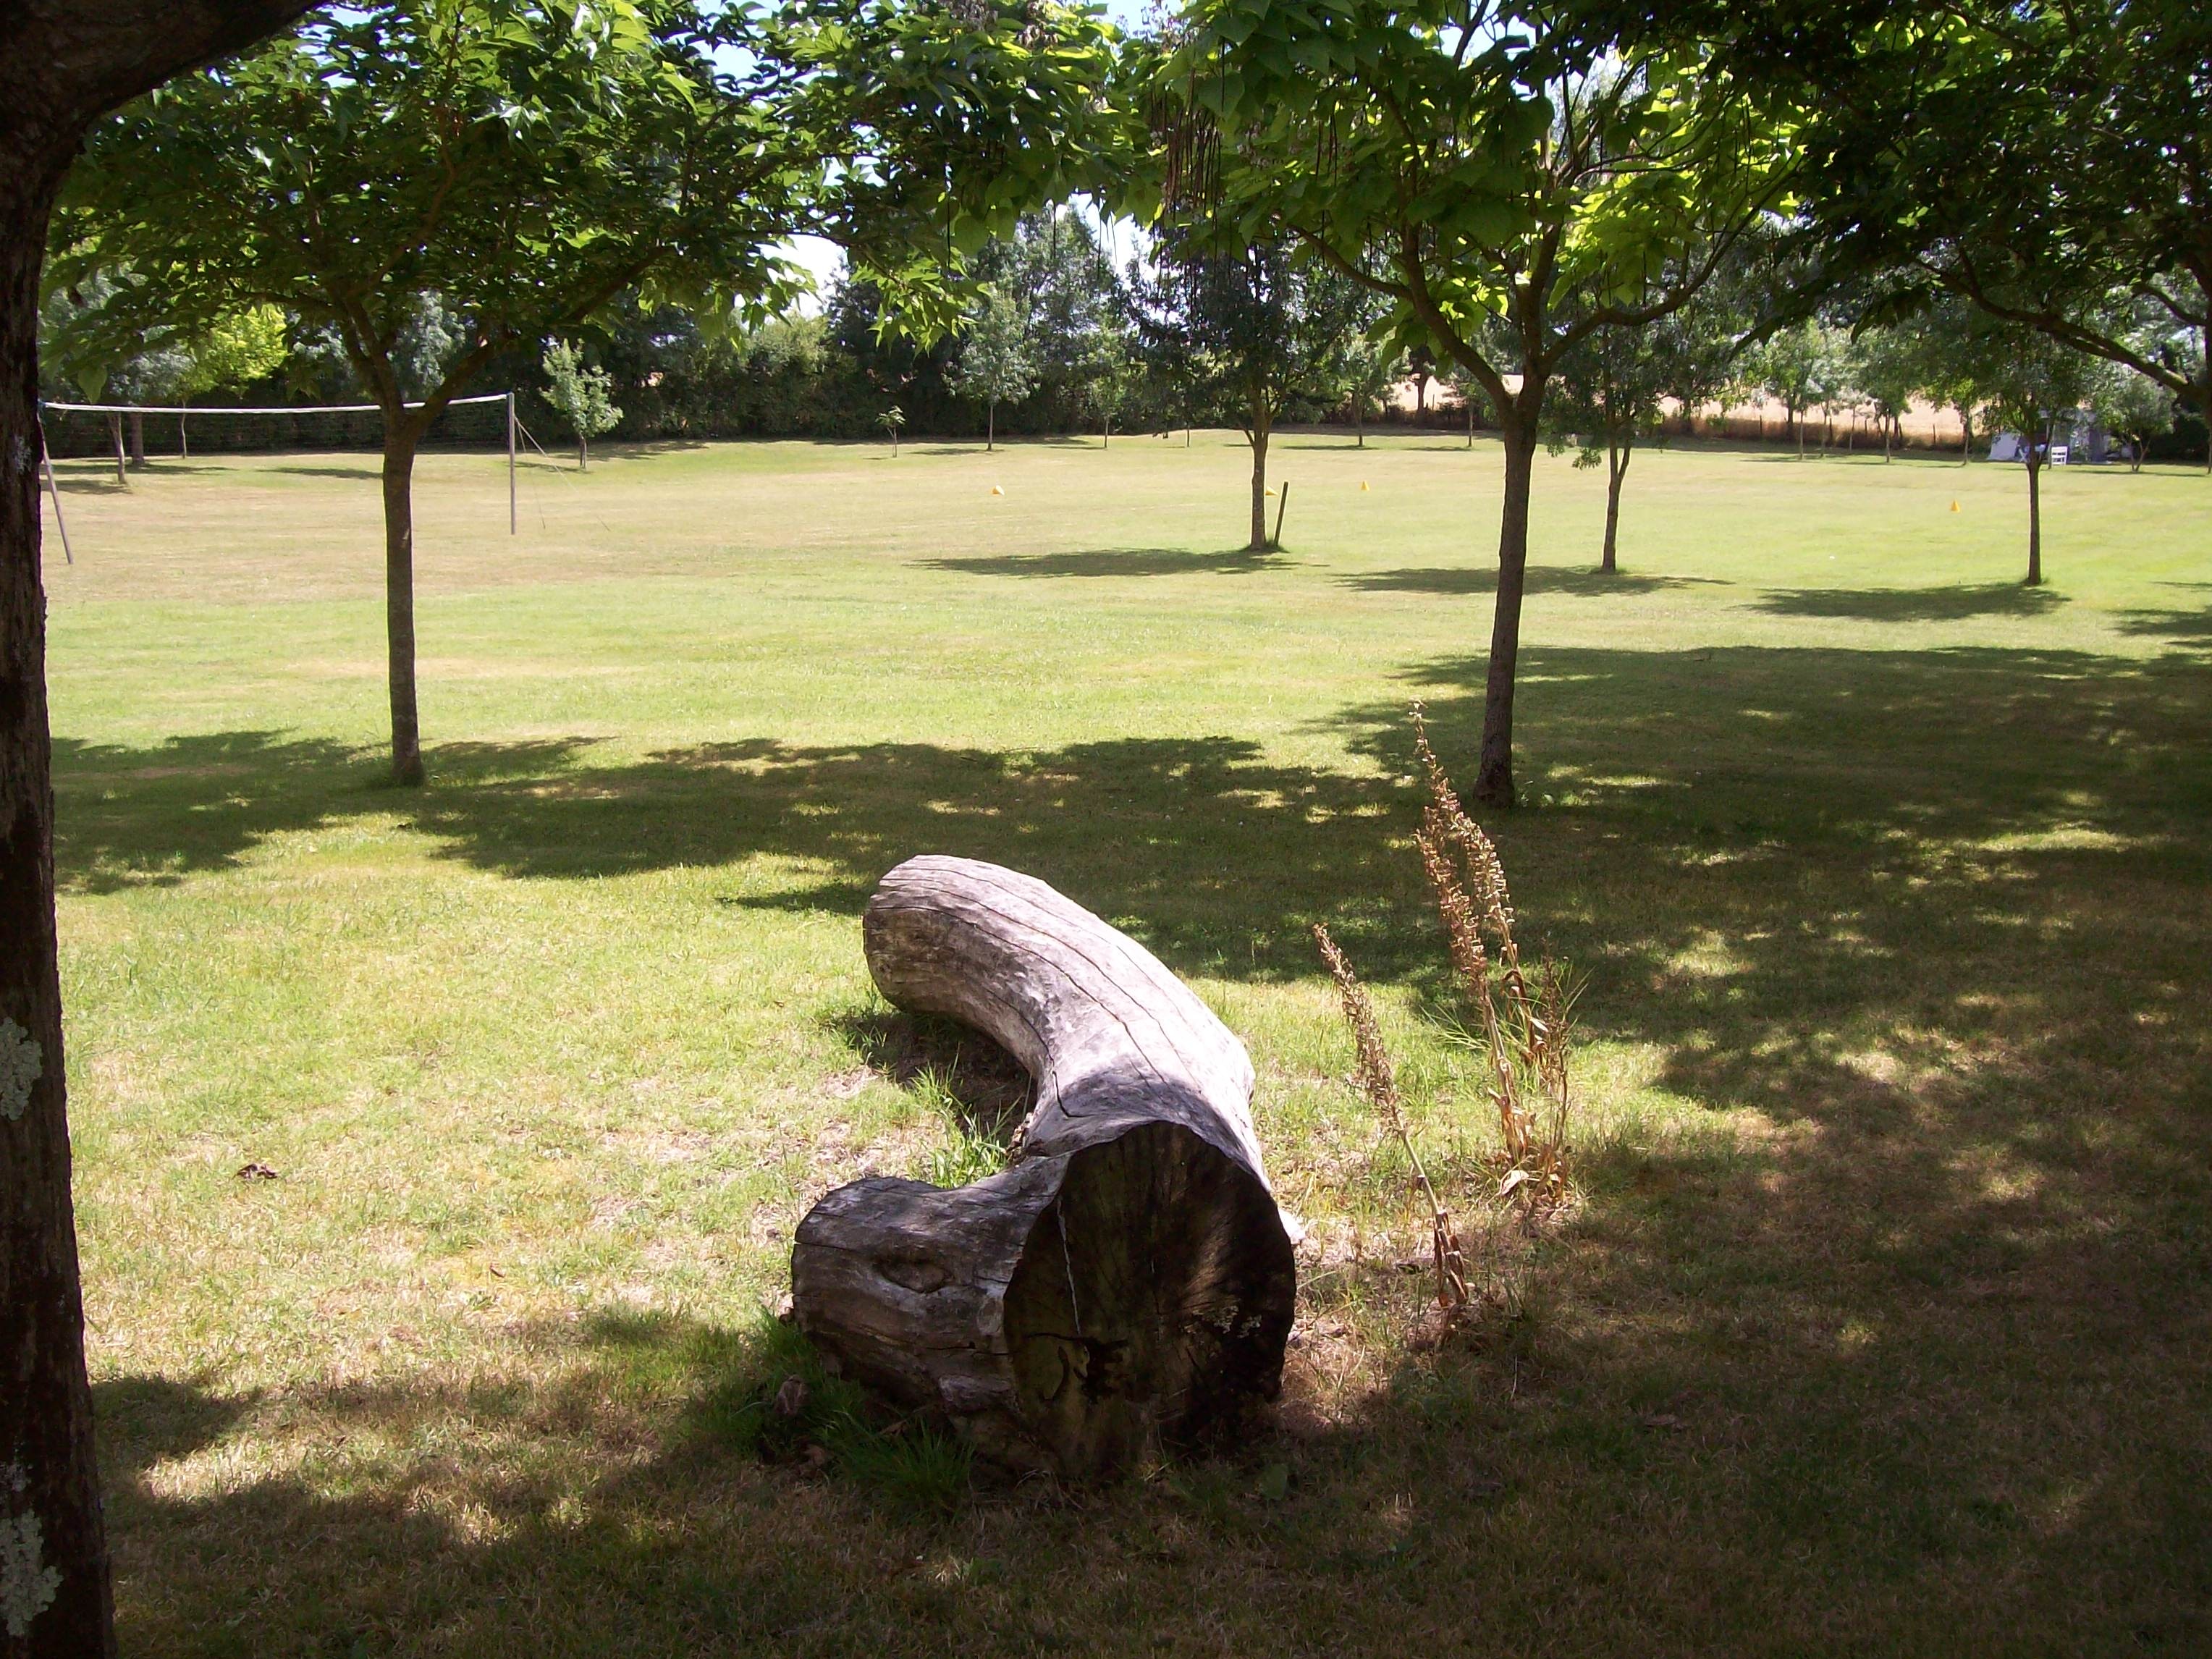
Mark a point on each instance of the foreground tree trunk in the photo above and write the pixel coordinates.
(137, 439)
(60, 67)
(583, 454)
(1617, 456)
(115, 433)
(1127, 1284)
(991, 427)
(401, 438)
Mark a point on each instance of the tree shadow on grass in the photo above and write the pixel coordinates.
(1905, 1304)
(83, 481)
(1542, 579)
(1909, 604)
(154, 816)
(2179, 628)
(985, 1087)
(1116, 561)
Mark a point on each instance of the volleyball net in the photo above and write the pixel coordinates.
(122, 429)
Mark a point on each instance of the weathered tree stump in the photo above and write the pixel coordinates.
(1126, 1282)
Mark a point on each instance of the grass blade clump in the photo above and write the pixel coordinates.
(783, 1405)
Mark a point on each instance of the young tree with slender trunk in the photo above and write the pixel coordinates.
(1520, 187)
(2033, 384)
(583, 395)
(2132, 408)
(1798, 368)
(996, 363)
(1614, 388)
(1243, 333)
(61, 68)
(1887, 369)
(525, 163)
(1367, 371)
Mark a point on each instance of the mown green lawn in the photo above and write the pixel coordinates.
(1883, 1324)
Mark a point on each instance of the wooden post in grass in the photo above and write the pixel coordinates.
(61, 66)
(46, 459)
(1128, 1282)
(1282, 506)
(510, 463)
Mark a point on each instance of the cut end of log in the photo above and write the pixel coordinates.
(1080, 1313)
(1128, 1286)
(1153, 1303)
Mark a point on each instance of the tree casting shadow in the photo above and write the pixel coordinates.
(1115, 562)
(1907, 604)
(1541, 579)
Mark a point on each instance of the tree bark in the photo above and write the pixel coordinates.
(1257, 436)
(60, 67)
(1127, 1283)
(137, 439)
(2204, 399)
(1494, 778)
(991, 426)
(401, 437)
(583, 454)
(1616, 470)
(115, 433)
(2034, 513)
(56, 1593)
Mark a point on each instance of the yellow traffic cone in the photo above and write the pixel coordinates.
(1363, 483)
(1954, 506)
(995, 490)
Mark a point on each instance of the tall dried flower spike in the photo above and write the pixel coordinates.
(1373, 1072)
(1463, 928)
(1373, 1075)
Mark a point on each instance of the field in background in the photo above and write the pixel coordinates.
(1882, 1327)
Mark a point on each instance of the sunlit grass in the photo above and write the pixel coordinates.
(1886, 1289)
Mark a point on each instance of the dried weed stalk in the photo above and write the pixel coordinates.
(1374, 1077)
(1526, 1018)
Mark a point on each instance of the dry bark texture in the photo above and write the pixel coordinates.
(1126, 1283)
(62, 64)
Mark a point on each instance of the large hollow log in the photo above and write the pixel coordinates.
(1126, 1284)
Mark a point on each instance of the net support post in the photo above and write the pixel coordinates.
(46, 459)
(510, 463)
